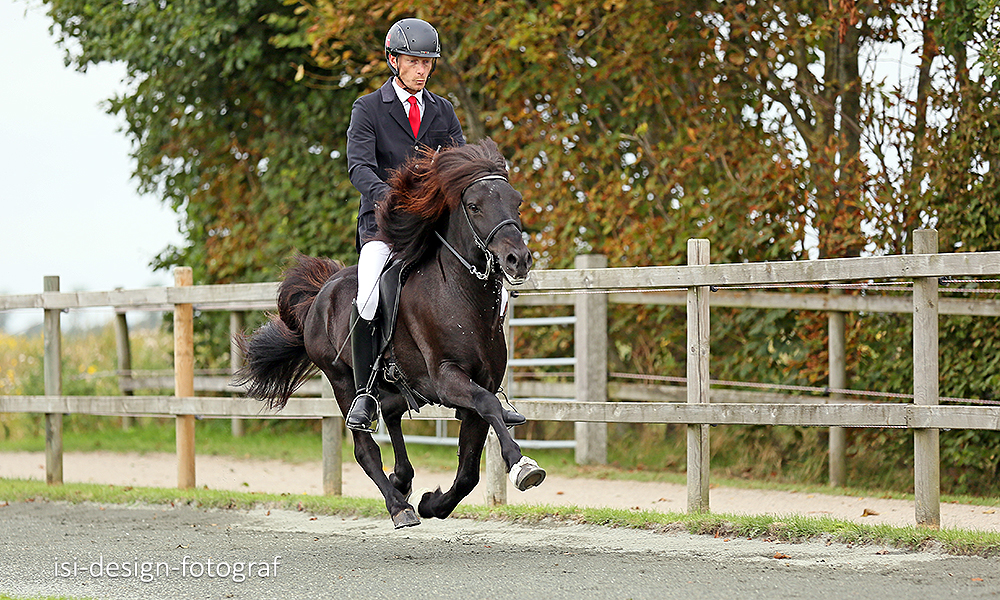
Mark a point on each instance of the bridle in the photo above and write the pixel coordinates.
(480, 243)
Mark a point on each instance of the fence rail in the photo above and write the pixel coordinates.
(908, 416)
(697, 285)
(768, 274)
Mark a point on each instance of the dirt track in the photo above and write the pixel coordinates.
(217, 472)
(128, 552)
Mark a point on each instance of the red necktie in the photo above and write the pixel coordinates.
(414, 115)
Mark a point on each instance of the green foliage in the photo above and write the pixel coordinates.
(988, 19)
(253, 161)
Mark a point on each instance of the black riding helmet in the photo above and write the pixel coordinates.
(413, 37)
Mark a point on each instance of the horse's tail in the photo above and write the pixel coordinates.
(275, 359)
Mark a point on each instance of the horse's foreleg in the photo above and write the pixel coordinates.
(461, 392)
(368, 455)
(471, 438)
(523, 472)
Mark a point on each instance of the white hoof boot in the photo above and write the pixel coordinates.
(526, 474)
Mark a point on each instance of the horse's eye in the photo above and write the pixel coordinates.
(473, 207)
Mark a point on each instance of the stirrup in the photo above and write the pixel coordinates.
(363, 414)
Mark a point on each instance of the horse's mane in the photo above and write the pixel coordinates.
(426, 189)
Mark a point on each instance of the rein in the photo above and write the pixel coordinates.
(480, 243)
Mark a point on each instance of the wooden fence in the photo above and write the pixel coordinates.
(590, 409)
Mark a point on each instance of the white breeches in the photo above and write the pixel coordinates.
(374, 255)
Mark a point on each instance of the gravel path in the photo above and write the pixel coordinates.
(128, 552)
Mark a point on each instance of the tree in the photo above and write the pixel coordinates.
(615, 136)
(221, 131)
(988, 19)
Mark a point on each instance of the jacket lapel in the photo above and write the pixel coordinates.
(431, 111)
(395, 107)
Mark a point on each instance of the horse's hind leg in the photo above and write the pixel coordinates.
(471, 439)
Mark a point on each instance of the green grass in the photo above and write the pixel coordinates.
(6, 597)
(789, 527)
(745, 456)
(298, 442)
(271, 439)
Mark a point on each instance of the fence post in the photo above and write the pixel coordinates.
(698, 454)
(590, 341)
(926, 446)
(52, 370)
(495, 470)
(237, 322)
(333, 448)
(124, 351)
(837, 347)
(184, 379)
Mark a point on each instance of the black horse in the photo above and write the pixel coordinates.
(453, 219)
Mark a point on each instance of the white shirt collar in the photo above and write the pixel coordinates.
(404, 95)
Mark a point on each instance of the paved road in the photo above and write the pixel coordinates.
(102, 552)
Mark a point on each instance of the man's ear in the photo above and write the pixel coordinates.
(394, 61)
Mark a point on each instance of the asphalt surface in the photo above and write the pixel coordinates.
(112, 551)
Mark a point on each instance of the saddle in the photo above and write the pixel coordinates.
(391, 283)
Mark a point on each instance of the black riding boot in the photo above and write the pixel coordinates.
(363, 415)
(512, 418)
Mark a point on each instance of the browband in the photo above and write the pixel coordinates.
(483, 178)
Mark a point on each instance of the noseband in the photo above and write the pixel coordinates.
(480, 243)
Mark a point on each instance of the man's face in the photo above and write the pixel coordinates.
(413, 70)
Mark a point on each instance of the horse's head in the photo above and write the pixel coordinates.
(463, 191)
(491, 206)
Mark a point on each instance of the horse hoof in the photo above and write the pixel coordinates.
(526, 474)
(405, 518)
(426, 498)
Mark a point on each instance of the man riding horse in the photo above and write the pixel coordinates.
(388, 127)
(451, 217)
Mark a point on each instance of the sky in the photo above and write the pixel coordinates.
(68, 205)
